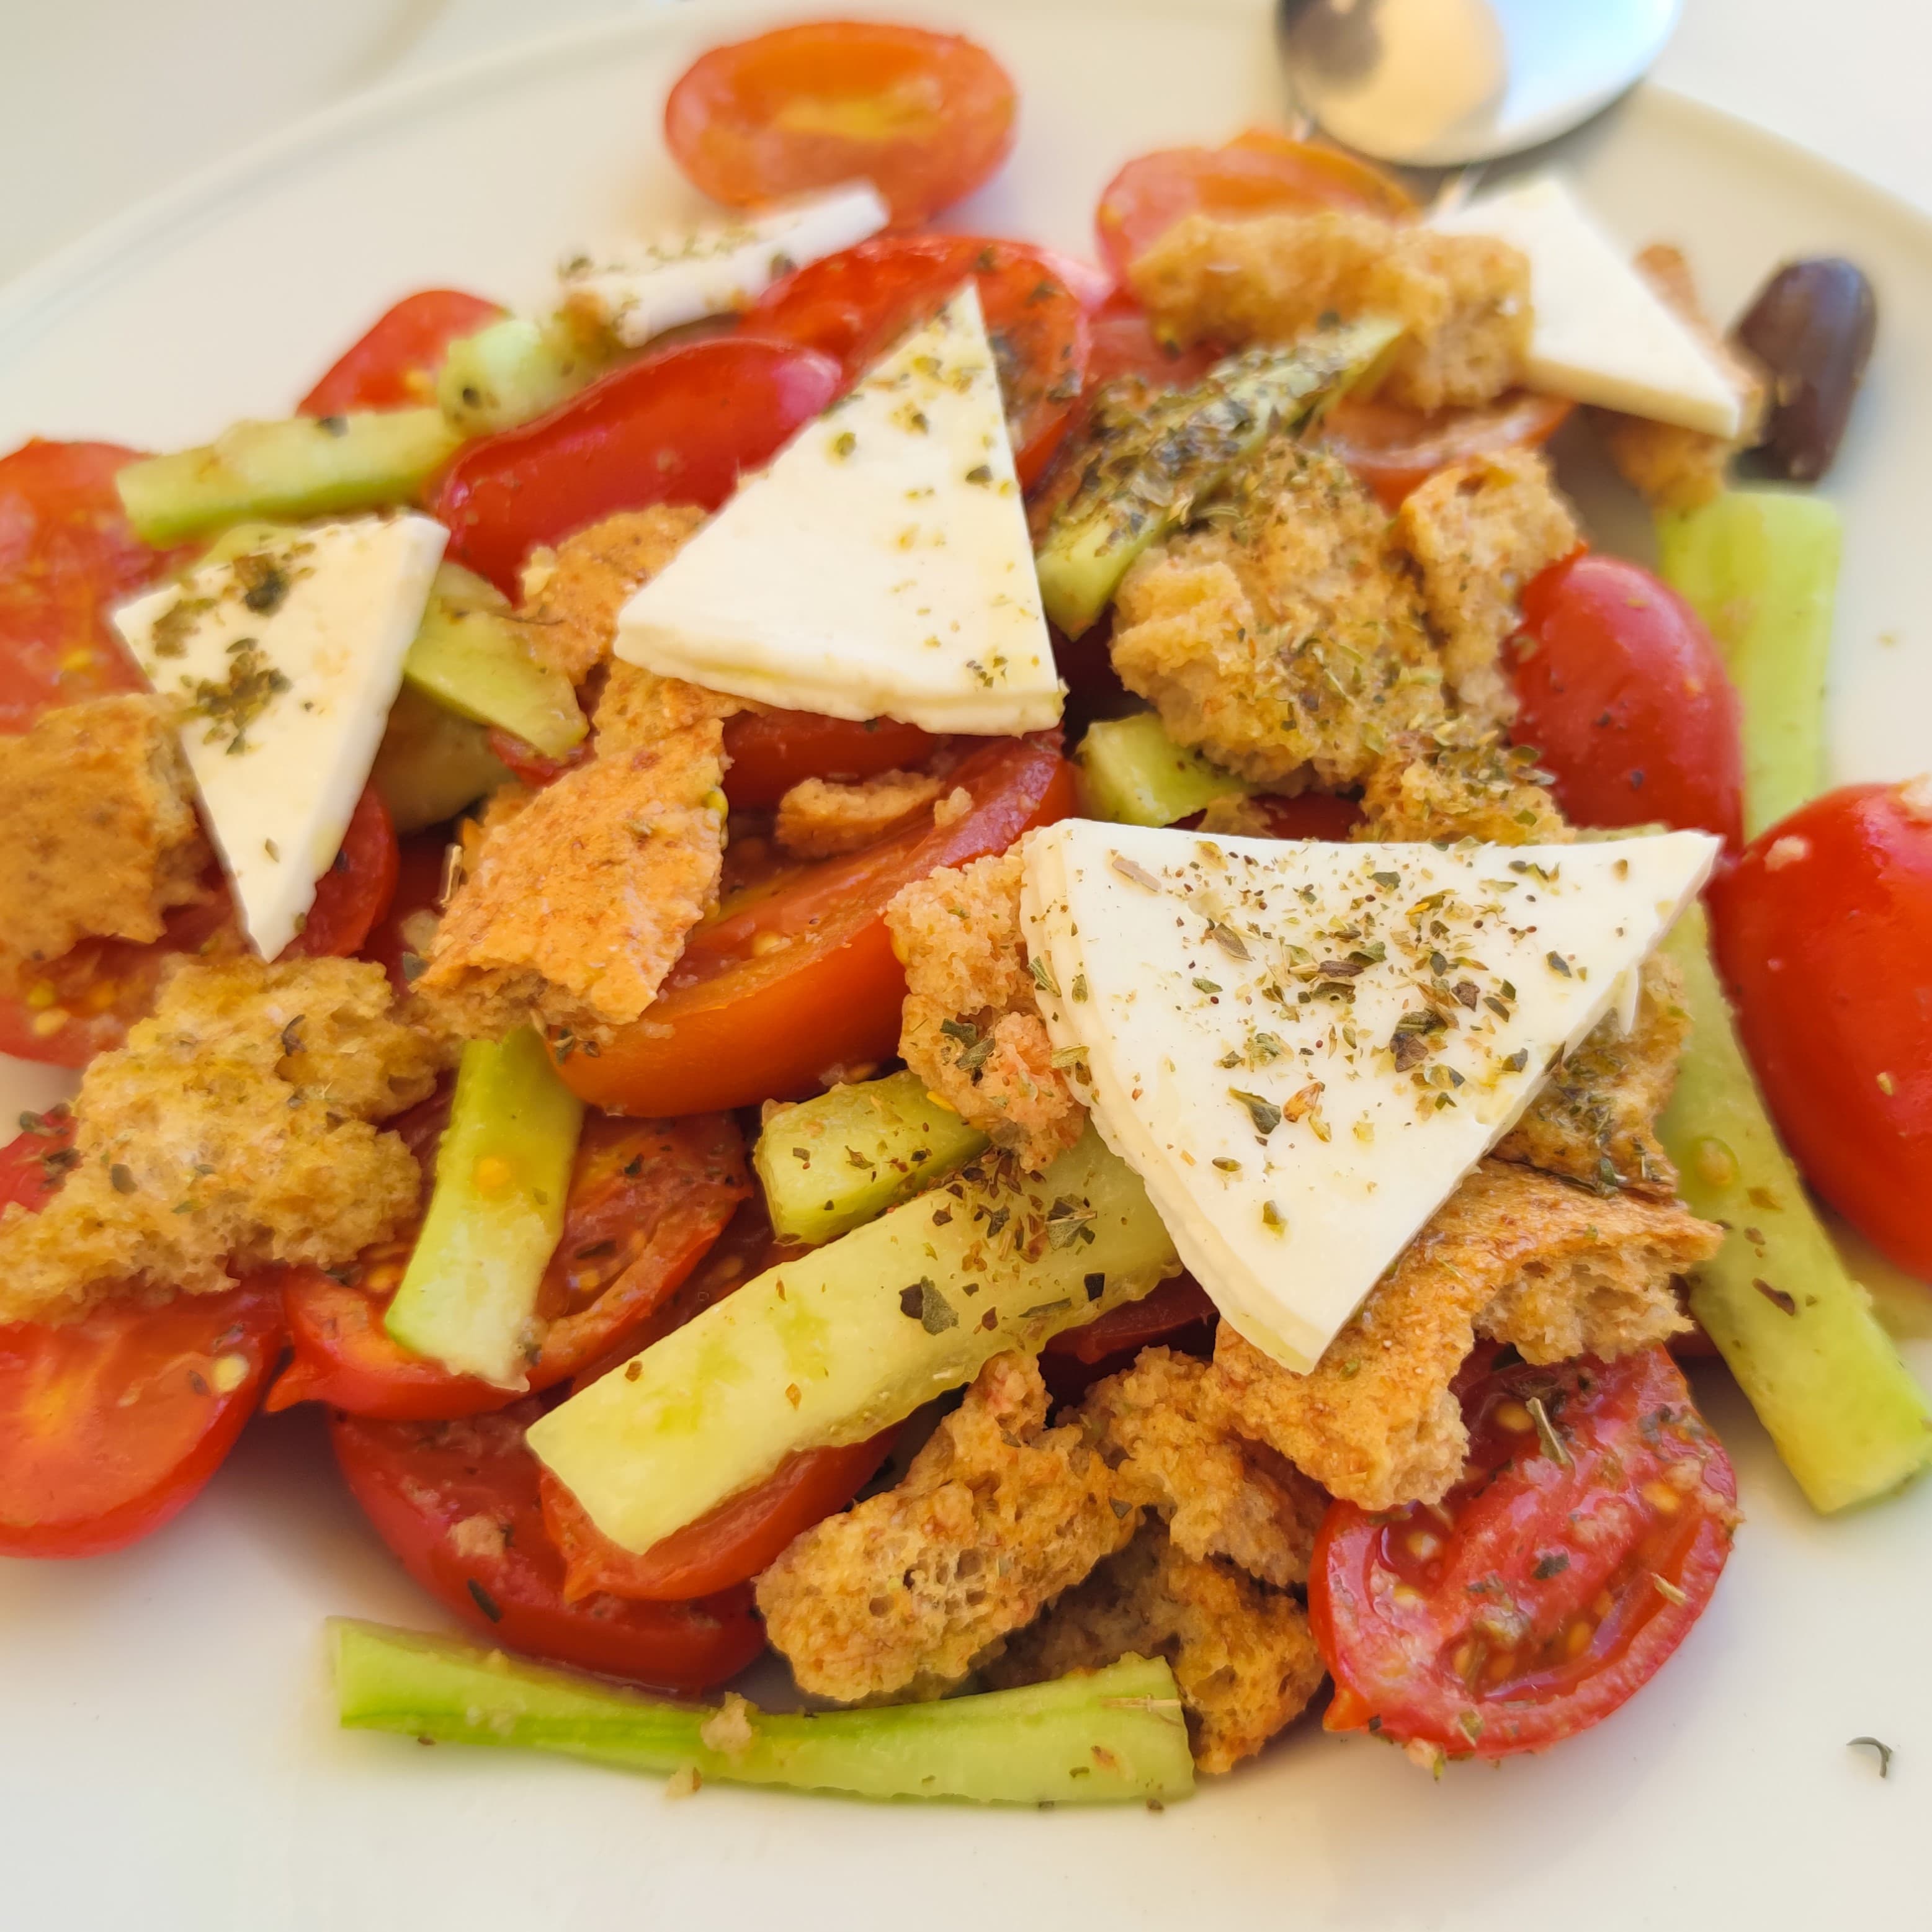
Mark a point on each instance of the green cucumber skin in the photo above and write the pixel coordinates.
(306, 466)
(1826, 1380)
(1186, 444)
(1760, 567)
(834, 1346)
(1113, 1736)
(471, 1284)
(903, 1140)
(431, 764)
(473, 662)
(1132, 773)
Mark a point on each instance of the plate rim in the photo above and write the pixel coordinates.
(32, 299)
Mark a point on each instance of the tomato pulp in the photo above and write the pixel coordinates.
(1824, 932)
(1592, 1520)
(111, 1424)
(1392, 449)
(647, 1199)
(925, 117)
(1626, 700)
(677, 428)
(457, 1502)
(796, 975)
(854, 305)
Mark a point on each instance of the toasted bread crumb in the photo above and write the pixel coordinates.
(823, 818)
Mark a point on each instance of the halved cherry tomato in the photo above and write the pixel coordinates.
(676, 427)
(83, 1003)
(854, 305)
(67, 556)
(1164, 1311)
(769, 752)
(1259, 173)
(526, 763)
(796, 975)
(730, 1544)
(1392, 449)
(1543, 1591)
(1124, 344)
(1626, 700)
(925, 118)
(1309, 814)
(1824, 930)
(394, 366)
(647, 1199)
(111, 1424)
(420, 859)
(356, 890)
(457, 1502)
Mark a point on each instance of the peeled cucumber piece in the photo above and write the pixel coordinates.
(1096, 1737)
(1798, 1332)
(1149, 460)
(306, 466)
(829, 1165)
(471, 660)
(503, 1176)
(1132, 773)
(431, 764)
(1761, 567)
(833, 1347)
(510, 371)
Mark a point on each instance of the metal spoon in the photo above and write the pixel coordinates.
(1436, 83)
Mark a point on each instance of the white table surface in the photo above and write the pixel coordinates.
(104, 101)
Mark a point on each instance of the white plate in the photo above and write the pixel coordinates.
(166, 1754)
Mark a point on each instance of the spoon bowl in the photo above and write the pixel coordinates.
(1440, 83)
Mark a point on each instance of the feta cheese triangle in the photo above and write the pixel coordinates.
(880, 567)
(285, 660)
(1601, 334)
(1301, 1047)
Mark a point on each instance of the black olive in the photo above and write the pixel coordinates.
(1812, 327)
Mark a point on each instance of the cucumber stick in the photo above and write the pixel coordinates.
(833, 1347)
(1761, 567)
(1797, 1330)
(511, 371)
(831, 1164)
(503, 1175)
(1152, 459)
(307, 466)
(1132, 773)
(431, 764)
(1095, 1738)
(467, 656)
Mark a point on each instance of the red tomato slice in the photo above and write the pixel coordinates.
(394, 365)
(730, 1544)
(1309, 814)
(1392, 449)
(1124, 344)
(110, 1425)
(742, 1019)
(83, 1003)
(926, 117)
(1158, 1316)
(356, 890)
(1824, 930)
(647, 1200)
(419, 866)
(677, 428)
(1259, 173)
(854, 305)
(67, 556)
(1626, 700)
(770, 751)
(457, 1502)
(1541, 1593)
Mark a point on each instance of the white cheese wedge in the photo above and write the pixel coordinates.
(723, 266)
(1601, 333)
(1301, 1047)
(880, 565)
(286, 660)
